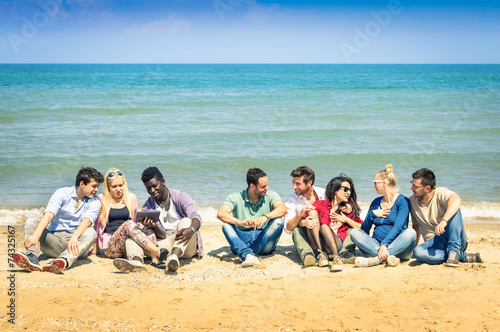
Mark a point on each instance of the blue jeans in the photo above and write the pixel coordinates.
(401, 247)
(435, 251)
(256, 242)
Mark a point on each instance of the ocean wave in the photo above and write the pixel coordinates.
(17, 216)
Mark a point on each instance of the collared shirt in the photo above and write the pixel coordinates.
(324, 207)
(294, 204)
(184, 207)
(242, 208)
(430, 214)
(62, 205)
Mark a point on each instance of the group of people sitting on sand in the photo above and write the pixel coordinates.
(325, 223)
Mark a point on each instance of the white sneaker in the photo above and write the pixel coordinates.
(250, 260)
(366, 262)
(127, 266)
(393, 261)
(173, 263)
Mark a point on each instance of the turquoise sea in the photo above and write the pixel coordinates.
(205, 125)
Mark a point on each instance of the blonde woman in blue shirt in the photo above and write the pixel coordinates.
(392, 239)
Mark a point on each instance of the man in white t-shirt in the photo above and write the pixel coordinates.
(179, 224)
(297, 206)
(435, 214)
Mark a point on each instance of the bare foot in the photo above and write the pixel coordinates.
(155, 255)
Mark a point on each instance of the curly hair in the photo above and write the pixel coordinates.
(150, 173)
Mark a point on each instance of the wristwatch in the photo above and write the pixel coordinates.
(193, 229)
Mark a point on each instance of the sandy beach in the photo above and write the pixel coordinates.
(215, 293)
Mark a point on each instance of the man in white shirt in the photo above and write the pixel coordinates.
(297, 205)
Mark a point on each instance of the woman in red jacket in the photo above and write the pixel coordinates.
(330, 232)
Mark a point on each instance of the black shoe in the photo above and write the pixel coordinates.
(159, 265)
(452, 259)
(163, 254)
(348, 257)
(27, 261)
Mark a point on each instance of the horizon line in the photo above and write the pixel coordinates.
(240, 63)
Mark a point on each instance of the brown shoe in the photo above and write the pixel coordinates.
(475, 257)
(337, 264)
(322, 259)
(393, 261)
(452, 259)
(309, 259)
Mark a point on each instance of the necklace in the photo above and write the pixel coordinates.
(166, 205)
(77, 204)
(114, 202)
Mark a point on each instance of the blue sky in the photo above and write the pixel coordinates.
(241, 31)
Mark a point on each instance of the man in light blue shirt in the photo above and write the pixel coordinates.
(70, 212)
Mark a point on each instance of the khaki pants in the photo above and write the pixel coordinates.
(299, 237)
(55, 244)
(187, 251)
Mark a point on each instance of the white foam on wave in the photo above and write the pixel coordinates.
(479, 210)
(208, 214)
(19, 216)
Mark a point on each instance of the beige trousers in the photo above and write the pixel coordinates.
(187, 251)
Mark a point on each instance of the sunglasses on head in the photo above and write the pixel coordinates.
(111, 174)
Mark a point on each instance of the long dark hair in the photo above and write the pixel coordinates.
(334, 186)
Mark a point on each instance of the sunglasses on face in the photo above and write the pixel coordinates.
(414, 186)
(111, 174)
(345, 189)
(378, 181)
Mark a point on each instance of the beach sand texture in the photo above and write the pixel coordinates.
(215, 293)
